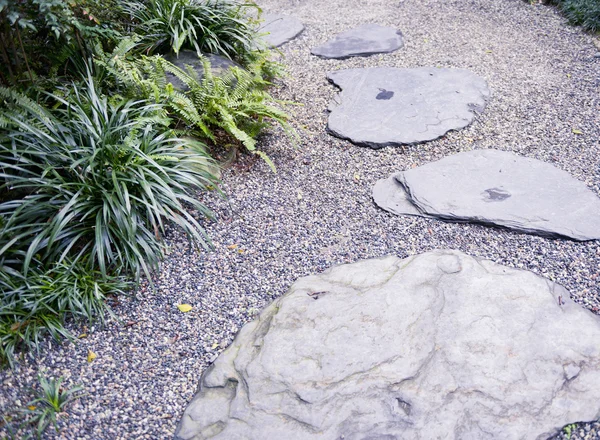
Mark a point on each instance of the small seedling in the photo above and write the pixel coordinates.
(51, 400)
(569, 430)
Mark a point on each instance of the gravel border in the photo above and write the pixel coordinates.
(317, 210)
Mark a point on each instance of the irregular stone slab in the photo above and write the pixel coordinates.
(388, 106)
(441, 345)
(495, 188)
(364, 40)
(218, 65)
(280, 29)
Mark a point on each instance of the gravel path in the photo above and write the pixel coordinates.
(317, 210)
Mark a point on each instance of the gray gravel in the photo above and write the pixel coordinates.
(317, 210)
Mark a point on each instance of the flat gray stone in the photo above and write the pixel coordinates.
(280, 29)
(364, 40)
(385, 106)
(441, 345)
(218, 65)
(495, 188)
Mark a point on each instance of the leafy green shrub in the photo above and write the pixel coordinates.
(237, 102)
(210, 26)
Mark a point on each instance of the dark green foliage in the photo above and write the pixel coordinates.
(92, 173)
(209, 26)
(39, 37)
(100, 181)
(584, 13)
(39, 302)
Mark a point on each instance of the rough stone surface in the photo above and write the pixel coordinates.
(441, 345)
(389, 106)
(364, 40)
(498, 188)
(218, 65)
(280, 29)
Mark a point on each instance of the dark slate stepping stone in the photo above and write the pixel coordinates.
(364, 40)
(218, 65)
(280, 29)
(435, 346)
(495, 188)
(389, 106)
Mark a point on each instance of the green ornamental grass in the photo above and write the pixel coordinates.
(209, 26)
(100, 181)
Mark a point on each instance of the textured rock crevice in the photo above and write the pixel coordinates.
(426, 346)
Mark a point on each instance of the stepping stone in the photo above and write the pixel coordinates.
(280, 29)
(385, 106)
(495, 188)
(440, 345)
(364, 40)
(218, 65)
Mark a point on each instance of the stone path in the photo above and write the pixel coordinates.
(317, 211)
(435, 344)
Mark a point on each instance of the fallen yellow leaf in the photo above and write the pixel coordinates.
(184, 307)
(31, 407)
(575, 131)
(241, 251)
(81, 336)
(215, 345)
(232, 246)
(91, 356)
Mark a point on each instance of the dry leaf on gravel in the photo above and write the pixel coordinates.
(184, 307)
(91, 356)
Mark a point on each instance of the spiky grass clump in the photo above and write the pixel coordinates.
(100, 181)
(210, 26)
(38, 303)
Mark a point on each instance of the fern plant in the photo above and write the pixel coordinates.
(237, 102)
